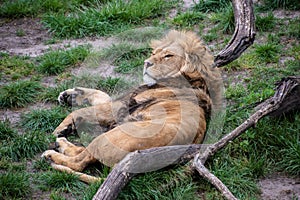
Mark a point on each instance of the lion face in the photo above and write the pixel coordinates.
(179, 53)
(163, 63)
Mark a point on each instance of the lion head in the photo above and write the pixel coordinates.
(182, 53)
(179, 53)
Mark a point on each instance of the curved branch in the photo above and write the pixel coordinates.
(143, 161)
(243, 36)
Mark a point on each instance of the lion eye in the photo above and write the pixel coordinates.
(168, 56)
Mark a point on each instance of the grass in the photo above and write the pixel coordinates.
(286, 4)
(60, 181)
(271, 147)
(211, 5)
(19, 93)
(6, 132)
(103, 19)
(294, 28)
(15, 67)
(267, 52)
(130, 60)
(163, 184)
(225, 20)
(43, 120)
(55, 62)
(265, 23)
(24, 146)
(188, 19)
(33, 8)
(14, 185)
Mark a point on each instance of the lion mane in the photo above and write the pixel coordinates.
(170, 108)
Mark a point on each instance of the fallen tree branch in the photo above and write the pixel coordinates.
(288, 87)
(272, 104)
(143, 161)
(205, 173)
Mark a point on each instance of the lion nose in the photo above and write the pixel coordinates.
(147, 64)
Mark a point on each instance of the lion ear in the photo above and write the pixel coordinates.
(191, 63)
(199, 61)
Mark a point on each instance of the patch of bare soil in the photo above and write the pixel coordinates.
(27, 37)
(280, 187)
(21, 34)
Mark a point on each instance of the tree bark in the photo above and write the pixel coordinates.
(205, 173)
(243, 36)
(143, 161)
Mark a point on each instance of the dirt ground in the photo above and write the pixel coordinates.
(27, 37)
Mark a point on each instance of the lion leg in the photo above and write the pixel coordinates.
(98, 115)
(76, 163)
(83, 177)
(83, 96)
(67, 148)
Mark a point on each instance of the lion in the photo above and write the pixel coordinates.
(171, 107)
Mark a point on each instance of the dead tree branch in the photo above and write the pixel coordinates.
(145, 160)
(243, 36)
(286, 88)
(205, 173)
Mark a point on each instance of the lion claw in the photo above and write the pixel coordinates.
(47, 154)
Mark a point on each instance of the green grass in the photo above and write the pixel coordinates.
(188, 19)
(15, 67)
(19, 93)
(294, 28)
(211, 36)
(267, 52)
(115, 50)
(14, 185)
(265, 23)
(211, 5)
(163, 184)
(60, 181)
(225, 20)
(33, 8)
(126, 57)
(24, 146)
(103, 19)
(130, 60)
(286, 4)
(6, 131)
(55, 62)
(43, 120)
(91, 191)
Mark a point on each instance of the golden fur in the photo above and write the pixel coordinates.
(171, 108)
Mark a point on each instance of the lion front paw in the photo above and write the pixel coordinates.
(48, 154)
(72, 97)
(66, 131)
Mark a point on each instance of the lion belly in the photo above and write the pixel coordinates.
(164, 123)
